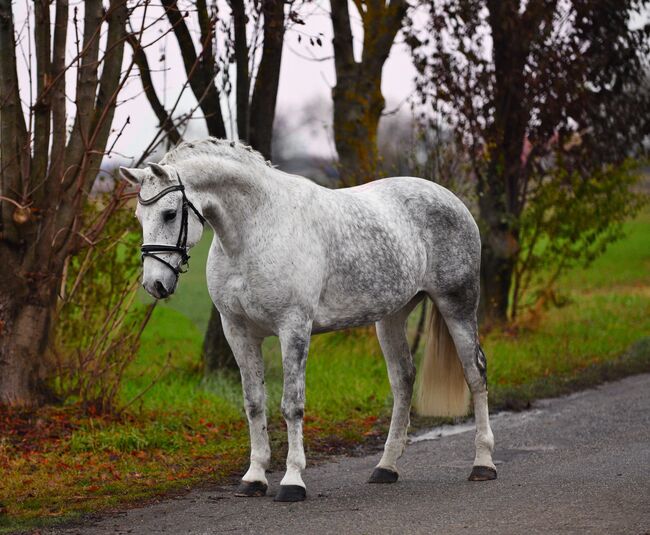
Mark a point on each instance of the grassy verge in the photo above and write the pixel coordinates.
(58, 463)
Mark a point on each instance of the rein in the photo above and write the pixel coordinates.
(181, 244)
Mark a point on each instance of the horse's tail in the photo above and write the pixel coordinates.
(441, 388)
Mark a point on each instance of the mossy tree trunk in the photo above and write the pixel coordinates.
(358, 101)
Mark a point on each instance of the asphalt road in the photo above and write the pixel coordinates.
(577, 464)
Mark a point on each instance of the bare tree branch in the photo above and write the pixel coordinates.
(59, 131)
(41, 111)
(85, 93)
(201, 80)
(343, 48)
(109, 84)
(164, 119)
(206, 24)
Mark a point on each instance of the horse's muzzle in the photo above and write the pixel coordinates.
(158, 289)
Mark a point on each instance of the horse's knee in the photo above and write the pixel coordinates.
(254, 408)
(292, 411)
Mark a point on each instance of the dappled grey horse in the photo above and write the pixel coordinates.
(291, 258)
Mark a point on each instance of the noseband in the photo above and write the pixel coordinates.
(181, 244)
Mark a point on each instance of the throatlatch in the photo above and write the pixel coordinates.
(181, 244)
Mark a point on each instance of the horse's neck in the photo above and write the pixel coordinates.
(232, 195)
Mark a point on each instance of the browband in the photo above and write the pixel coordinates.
(161, 194)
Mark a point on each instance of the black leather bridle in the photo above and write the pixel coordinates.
(181, 244)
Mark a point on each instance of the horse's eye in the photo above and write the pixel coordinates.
(169, 215)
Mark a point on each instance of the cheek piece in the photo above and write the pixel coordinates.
(151, 249)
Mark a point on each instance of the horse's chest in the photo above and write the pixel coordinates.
(236, 294)
(226, 293)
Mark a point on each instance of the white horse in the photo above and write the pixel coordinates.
(291, 258)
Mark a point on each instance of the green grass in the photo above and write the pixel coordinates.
(626, 262)
(184, 429)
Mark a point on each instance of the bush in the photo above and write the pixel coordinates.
(98, 322)
(568, 221)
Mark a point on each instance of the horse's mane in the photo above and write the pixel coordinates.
(221, 148)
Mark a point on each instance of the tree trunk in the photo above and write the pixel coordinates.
(358, 101)
(500, 190)
(265, 92)
(217, 354)
(24, 330)
(358, 104)
(496, 274)
(499, 243)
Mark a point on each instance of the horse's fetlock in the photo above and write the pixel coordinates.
(263, 458)
(299, 462)
(484, 441)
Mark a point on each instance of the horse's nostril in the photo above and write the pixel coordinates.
(160, 289)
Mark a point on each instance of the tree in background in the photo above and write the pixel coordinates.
(537, 91)
(358, 100)
(255, 111)
(47, 168)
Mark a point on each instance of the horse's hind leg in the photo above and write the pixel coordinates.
(462, 325)
(248, 354)
(391, 332)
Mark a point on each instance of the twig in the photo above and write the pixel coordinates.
(15, 203)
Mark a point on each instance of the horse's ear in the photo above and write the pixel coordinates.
(159, 171)
(133, 176)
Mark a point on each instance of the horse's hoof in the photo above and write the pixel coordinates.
(290, 493)
(383, 475)
(251, 489)
(482, 473)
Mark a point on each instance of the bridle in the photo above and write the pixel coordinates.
(181, 244)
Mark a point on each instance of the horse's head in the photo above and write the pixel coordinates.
(171, 225)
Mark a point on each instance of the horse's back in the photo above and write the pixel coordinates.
(433, 214)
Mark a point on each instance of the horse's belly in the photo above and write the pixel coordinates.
(329, 320)
(375, 268)
(342, 308)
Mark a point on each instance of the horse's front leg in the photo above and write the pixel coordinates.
(294, 341)
(248, 354)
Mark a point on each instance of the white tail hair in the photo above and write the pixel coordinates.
(441, 387)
